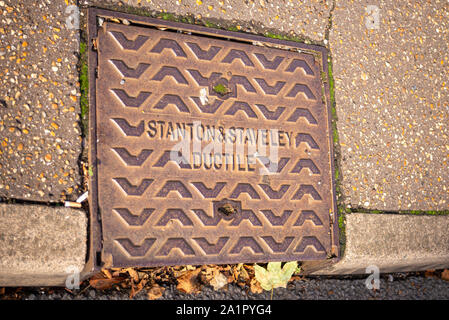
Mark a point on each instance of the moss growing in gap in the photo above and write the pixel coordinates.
(335, 137)
(425, 212)
(168, 16)
(221, 89)
(84, 88)
(233, 28)
(407, 212)
(342, 230)
(295, 38)
(336, 143)
(132, 10)
(211, 24)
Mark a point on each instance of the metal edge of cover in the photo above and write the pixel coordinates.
(96, 235)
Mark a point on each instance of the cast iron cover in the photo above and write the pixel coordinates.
(209, 150)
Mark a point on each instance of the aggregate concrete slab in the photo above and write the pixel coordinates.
(40, 245)
(392, 102)
(39, 102)
(308, 18)
(393, 243)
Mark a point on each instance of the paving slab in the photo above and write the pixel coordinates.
(39, 102)
(392, 103)
(40, 245)
(307, 18)
(392, 242)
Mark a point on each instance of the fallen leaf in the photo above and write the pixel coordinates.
(263, 277)
(155, 292)
(254, 286)
(135, 289)
(429, 273)
(116, 273)
(133, 274)
(219, 281)
(297, 271)
(189, 282)
(274, 276)
(445, 275)
(243, 274)
(107, 273)
(100, 282)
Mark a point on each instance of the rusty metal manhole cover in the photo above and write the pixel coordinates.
(208, 150)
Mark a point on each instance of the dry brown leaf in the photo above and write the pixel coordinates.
(133, 274)
(235, 274)
(255, 286)
(249, 269)
(155, 292)
(210, 271)
(135, 289)
(296, 278)
(107, 273)
(429, 273)
(244, 274)
(189, 282)
(2, 290)
(445, 274)
(115, 274)
(100, 282)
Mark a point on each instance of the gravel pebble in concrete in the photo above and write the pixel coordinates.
(39, 102)
(393, 103)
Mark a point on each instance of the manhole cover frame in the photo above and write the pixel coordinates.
(96, 259)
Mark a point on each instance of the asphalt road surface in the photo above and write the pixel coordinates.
(402, 286)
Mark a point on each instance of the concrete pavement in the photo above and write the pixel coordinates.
(41, 245)
(392, 100)
(39, 111)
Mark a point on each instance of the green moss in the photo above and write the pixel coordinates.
(84, 87)
(210, 24)
(285, 37)
(133, 10)
(335, 136)
(342, 230)
(336, 143)
(233, 28)
(410, 212)
(331, 86)
(168, 16)
(424, 212)
(221, 89)
(341, 221)
(437, 213)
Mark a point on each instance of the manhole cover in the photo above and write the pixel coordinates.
(209, 150)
